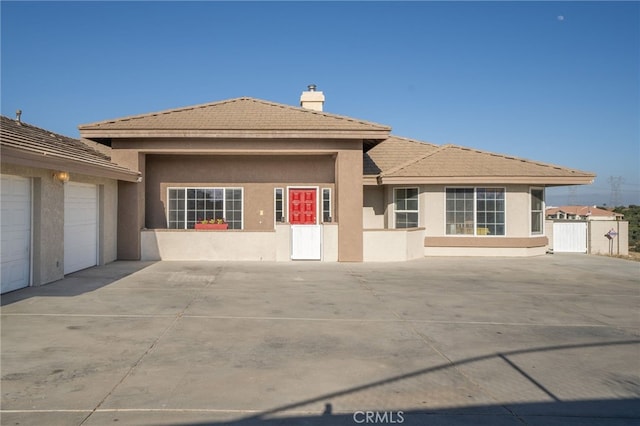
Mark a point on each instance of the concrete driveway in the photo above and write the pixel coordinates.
(537, 341)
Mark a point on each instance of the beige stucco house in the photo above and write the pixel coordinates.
(300, 183)
(59, 204)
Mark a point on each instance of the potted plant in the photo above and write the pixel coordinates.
(212, 224)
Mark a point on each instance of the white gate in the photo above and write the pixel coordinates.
(570, 237)
(306, 242)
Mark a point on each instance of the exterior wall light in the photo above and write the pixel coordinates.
(61, 176)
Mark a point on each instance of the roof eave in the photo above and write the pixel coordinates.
(53, 162)
(528, 180)
(242, 134)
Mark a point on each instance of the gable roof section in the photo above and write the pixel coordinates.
(452, 164)
(241, 117)
(32, 146)
(393, 152)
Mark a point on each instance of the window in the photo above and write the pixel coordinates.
(537, 210)
(406, 207)
(326, 205)
(475, 211)
(459, 211)
(190, 205)
(489, 211)
(279, 205)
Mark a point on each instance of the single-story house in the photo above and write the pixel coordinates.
(582, 213)
(300, 183)
(58, 204)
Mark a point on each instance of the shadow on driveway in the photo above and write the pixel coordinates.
(556, 411)
(78, 283)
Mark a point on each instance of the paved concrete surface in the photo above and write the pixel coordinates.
(550, 340)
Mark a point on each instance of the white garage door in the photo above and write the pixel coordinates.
(15, 223)
(569, 237)
(80, 226)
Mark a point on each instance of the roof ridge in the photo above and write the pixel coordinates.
(227, 101)
(415, 160)
(163, 112)
(323, 113)
(413, 140)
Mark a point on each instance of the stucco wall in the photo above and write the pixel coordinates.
(319, 157)
(169, 244)
(393, 245)
(257, 175)
(598, 243)
(373, 207)
(48, 220)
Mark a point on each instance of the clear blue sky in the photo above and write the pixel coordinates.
(551, 81)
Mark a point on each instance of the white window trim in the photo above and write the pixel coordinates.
(405, 211)
(284, 205)
(224, 202)
(475, 211)
(330, 204)
(318, 202)
(544, 209)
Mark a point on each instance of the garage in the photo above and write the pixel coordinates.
(570, 237)
(15, 222)
(80, 226)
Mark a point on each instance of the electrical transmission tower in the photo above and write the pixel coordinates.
(616, 183)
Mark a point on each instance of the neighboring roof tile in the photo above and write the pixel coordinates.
(241, 114)
(582, 211)
(36, 141)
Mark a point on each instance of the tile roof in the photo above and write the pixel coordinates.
(41, 144)
(582, 211)
(394, 152)
(398, 159)
(240, 114)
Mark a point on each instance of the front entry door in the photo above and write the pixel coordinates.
(306, 234)
(302, 206)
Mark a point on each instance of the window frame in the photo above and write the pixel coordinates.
(330, 210)
(396, 211)
(542, 212)
(185, 209)
(475, 211)
(275, 207)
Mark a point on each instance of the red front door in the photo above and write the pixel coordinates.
(302, 206)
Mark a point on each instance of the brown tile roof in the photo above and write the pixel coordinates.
(24, 142)
(393, 152)
(582, 211)
(240, 114)
(402, 160)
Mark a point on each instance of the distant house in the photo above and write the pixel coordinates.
(299, 183)
(581, 213)
(59, 204)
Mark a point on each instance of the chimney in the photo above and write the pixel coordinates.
(18, 115)
(312, 99)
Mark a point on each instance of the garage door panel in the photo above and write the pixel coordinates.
(15, 226)
(80, 226)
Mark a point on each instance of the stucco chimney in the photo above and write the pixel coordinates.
(311, 99)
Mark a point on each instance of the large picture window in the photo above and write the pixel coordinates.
(475, 211)
(537, 211)
(406, 207)
(187, 206)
